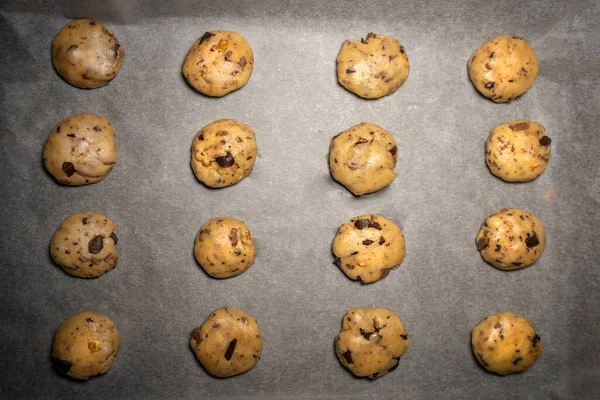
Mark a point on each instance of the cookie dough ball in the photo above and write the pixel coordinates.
(504, 343)
(511, 239)
(228, 343)
(373, 67)
(371, 341)
(85, 345)
(518, 151)
(224, 247)
(86, 54)
(218, 63)
(368, 247)
(363, 158)
(85, 245)
(81, 149)
(504, 68)
(223, 153)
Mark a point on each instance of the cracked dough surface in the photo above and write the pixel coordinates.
(363, 158)
(504, 343)
(81, 149)
(218, 63)
(368, 247)
(85, 345)
(86, 54)
(228, 343)
(371, 341)
(223, 153)
(504, 68)
(373, 67)
(511, 238)
(85, 245)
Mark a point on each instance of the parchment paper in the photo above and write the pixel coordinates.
(442, 193)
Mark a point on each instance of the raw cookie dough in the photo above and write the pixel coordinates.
(224, 247)
(511, 239)
(371, 341)
(223, 153)
(518, 151)
(228, 343)
(85, 245)
(505, 343)
(363, 158)
(218, 63)
(368, 247)
(86, 54)
(85, 345)
(504, 68)
(81, 149)
(373, 67)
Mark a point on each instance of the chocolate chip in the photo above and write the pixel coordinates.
(364, 41)
(545, 141)
(490, 85)
(361, 141)
(348, 357)
(366, 335)
(71, 135)
(95, 245)
(196, 335)
(521, 126)
(498, 325)
(482, 243)
(233, 236)
(338, 261)
(381, 240)
(532, 240)
(394, 150)
(97, 128)
(384, 272)
(367, 242)
(498, 247)
(376, 226)
(61, 366)
(68, 168)
(113, 236)
(354, 253)
(206, 36)
(242, 62)
(404, 337)
(361, 223)
(200, 137)
(350, 71)
(84, 221)
(230, 349)
(89, 320)
(225, 161)
(535, 340)
(516, 361)
(73, 47)
(517, 264)
(480, 356)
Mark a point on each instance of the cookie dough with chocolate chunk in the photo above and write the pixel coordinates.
(228, 343)
(363, 158)
(86, 54)
(518, 151)
(371, 342)
(368, 247)
(373, 67)
(504, 68)
(81, 149)
(85, 245)
(223, 153)
(85, 345)
(224, 247)
(218, 63)
(511, 239)
(504, 343)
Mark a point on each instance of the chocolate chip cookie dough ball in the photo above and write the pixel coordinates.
(371, 342)
(218, 63)
(504, 68)
(223, 153)
(504, 343)
(373, 67)
(85, 345)
(511, 239)
(81, 149)
(228, 343)
(224, 247)
(363, 158)
(518, 151)
(85, 245)
(86, 54)
(368, 247)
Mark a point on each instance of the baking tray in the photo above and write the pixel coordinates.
(442, 193)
